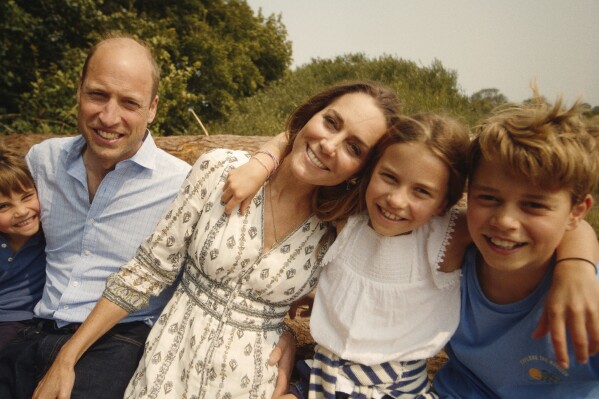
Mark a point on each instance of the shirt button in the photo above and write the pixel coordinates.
(75, 283)
(4, 245)
(65, 307)
(91, 221)
(10, 259)
(86, 252)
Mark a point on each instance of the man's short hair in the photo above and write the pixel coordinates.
(120, 35)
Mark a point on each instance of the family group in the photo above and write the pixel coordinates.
(127, 273)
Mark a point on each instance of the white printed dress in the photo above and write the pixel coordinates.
(214, 337)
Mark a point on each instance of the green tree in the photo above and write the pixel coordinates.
(483, 101)
(211, 52)
(419, 88)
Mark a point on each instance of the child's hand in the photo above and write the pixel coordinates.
(572, 304)
(242, 185)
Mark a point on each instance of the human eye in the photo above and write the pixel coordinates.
(4, 206)
(96, 94)
(535, 207)
(330, 121)
(423, 192)
(131, 104)
(388, 177)
(28, 196)
(487, 199)
(355, 149)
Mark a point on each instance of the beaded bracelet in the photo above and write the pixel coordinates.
(580, 259)
(268, 171)
(275, 161)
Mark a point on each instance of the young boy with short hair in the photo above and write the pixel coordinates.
(532, 171)
(22, 256)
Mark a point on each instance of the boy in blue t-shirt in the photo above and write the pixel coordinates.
(22, 256)
(532, 171)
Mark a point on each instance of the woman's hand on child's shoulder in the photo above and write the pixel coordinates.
(572, 308)
(242, 185)
(572, 304)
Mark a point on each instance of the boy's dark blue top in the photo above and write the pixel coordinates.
(22, 278)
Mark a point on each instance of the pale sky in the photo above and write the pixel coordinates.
(501, 44)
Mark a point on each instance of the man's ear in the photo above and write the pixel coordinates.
(78, 92)
(579, 211)
(153, 109)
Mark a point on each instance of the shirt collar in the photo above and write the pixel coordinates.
(144, 157)
(35, 239)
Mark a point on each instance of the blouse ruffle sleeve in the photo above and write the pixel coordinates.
(160, 257)
(439, 233)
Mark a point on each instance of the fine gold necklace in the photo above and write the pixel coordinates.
(272, 213)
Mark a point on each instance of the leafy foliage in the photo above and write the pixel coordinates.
(211, 52)
(485, 100)
(420, 89)
(217, 58)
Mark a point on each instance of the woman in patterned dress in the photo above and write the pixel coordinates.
(238, 273)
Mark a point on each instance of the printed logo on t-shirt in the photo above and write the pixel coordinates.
(543, 370)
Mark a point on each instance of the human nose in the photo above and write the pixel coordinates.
(330, 144)
(504, 218)
(20, 209)
(398, 198)
(109, 115)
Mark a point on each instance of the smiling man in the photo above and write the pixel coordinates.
(101, 194)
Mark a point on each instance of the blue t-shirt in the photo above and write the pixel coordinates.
(22, 277)
(492, 353)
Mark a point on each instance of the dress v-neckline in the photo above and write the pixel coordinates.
(276, 244)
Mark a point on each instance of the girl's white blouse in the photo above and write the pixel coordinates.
(382, 298)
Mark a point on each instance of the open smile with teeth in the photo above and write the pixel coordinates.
(107, 135)
(504, 244)
(25, 222)
(390, 215)
(315, 160)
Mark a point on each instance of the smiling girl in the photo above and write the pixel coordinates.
(383, 303)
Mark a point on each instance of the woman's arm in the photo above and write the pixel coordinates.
(58, 381)
(573, 301)
(245, 181)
